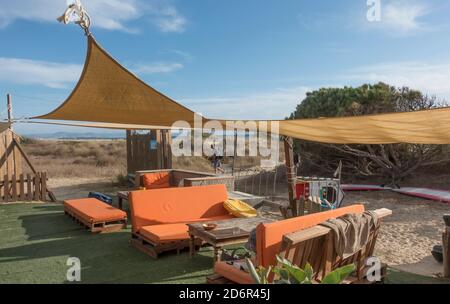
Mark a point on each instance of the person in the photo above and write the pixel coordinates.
(216, 159)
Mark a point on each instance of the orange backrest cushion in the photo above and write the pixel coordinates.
(176, 205)
(156, 180)
(269, 236)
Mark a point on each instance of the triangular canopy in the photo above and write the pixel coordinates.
(109, 94)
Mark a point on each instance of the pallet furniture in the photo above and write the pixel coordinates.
(159, 216)
(228, 232)
(95, 215)
(269, 238)
(122, 196)
(184, 178)
(315, 246)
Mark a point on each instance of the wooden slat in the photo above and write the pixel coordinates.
(44, 187)
(14, 188)
(1, 190)
(37, 183)
(9, 153)
(22, 195)
(29, 188)
(6, 188)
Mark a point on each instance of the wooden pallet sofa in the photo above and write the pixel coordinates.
(296, 239)
(95, 215)
(157, 179)
(159, 216)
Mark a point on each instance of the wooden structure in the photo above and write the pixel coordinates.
(316, 247)
(446, 246)
(25, 187)
(15, 184)
(228, 232)
(148, 150)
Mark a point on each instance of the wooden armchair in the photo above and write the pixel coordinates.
(315, 246)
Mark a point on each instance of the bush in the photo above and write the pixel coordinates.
(390, 162)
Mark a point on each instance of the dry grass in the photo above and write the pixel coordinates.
(104, 158)
(78, 158)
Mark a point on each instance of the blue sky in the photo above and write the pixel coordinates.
(228, 59)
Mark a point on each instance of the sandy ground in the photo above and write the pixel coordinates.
(405, 240)
(406, 237)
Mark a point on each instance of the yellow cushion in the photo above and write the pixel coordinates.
(239, 208)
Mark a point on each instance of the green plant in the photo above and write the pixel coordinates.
(287, 273)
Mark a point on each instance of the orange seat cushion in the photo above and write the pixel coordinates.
(160, 234)
(157, 180)
(177, 205)
(232, 273)
(269, 236)
(164, 233)
(92, 210)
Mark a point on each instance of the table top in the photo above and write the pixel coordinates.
(236, 228)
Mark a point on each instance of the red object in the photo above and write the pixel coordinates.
(302, 189)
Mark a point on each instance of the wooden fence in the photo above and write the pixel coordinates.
(25, 187)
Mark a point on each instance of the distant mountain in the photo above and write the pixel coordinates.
(75, 135)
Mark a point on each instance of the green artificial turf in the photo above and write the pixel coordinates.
(37, 239)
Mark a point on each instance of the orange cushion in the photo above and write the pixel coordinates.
(165, 233)
(232, 273)
(92, 210)
(173, 232)
(269, 236)
(156, 180)
(176, 205)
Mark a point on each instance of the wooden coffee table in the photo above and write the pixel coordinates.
(228, 232)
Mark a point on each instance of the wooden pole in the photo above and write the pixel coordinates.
(445, 246)
(290, 172)
(234, 151)
(9, 105)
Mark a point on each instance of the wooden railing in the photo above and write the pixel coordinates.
(25, 187)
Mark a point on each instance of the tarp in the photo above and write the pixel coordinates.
(109, 94)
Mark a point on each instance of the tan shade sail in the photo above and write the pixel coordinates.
(107, 92)
(112, 97)
(420, 127)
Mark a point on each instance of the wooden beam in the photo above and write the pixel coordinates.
(290, 173)
(24, 155)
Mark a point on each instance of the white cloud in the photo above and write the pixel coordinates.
(404, 16)
(157, 68)
(276, 104)
(433, 79)
(106, 14)
(170, 20)
(32, 72)
(61, 75)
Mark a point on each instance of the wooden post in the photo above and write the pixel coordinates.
(234, 151)
(9, 105)
(290, 173)
(445, 246)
